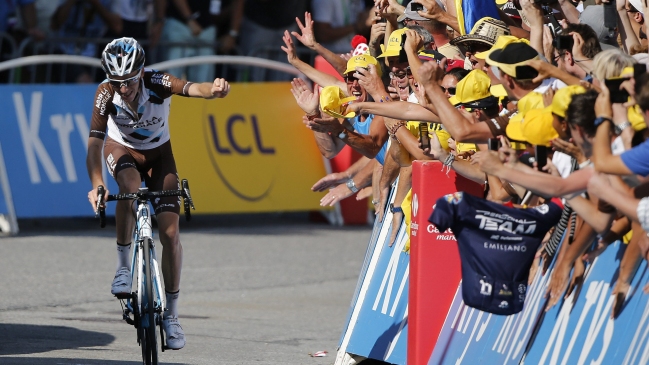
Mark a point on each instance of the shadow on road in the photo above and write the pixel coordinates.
(54, 361)
(20, 339)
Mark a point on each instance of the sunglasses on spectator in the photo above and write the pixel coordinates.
(402, 74)
(349, 78)
(450, 90)
(128, 82)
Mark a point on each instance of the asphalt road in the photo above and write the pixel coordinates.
(255, 290)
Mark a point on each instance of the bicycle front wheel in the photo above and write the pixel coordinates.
(150, 332)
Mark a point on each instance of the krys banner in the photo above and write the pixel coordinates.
(249, 152)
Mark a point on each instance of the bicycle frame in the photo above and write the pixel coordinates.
(144, 231)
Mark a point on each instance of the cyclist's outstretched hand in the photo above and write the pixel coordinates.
(220, 88)
(93, 197)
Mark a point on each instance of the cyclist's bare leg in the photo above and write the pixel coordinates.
(129, 181)
(172, 259)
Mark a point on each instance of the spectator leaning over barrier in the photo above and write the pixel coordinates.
(131, 107)
(189, 24)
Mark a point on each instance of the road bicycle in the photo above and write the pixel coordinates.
(144, 307)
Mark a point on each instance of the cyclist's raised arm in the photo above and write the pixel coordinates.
(206, 90)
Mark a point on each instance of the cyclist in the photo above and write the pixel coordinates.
(132, 107)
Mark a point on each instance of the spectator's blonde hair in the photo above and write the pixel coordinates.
(610, 63)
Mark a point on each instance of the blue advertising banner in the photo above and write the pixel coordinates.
(378, 321)
(44, 140)
(581, 330)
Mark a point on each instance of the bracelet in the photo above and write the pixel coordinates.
(600, 120)
(619, 128)
(585, 163)
(393, 130)
(385, 99)
(448, 162)
(352, 185)
(313, 116)
(394, 209)
(375, 202)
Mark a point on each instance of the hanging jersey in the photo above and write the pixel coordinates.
(144, 128)
(497, 246)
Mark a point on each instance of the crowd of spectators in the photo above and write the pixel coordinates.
(546, 107)
(170, 29)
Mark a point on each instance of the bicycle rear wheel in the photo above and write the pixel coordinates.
(149, 331)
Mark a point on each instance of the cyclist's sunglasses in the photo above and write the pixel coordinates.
(128, 82)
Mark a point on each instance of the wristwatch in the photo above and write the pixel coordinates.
(342, 134)
(394, 209)
(600, 120)
(621, 127)
(352, 186)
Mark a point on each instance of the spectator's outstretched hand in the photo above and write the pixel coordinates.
(620, 291)
(291, 54)
(577, 279)
(335, 195)
(543, 68)
(488, 161)
(435, 152)
(413, 41)
(326, 125)
(431, 73)
(377, 33)
(558, 283)
(365, 192)
(330, 181)
(306, 99)
(220, 88)
(432, 9)
(568, 148)
(307, 38)
(603, 106)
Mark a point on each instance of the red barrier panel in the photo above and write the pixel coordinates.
(353, 211)
(434, 258)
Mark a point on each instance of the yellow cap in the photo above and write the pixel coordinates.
(537, 127)
(333, 100)
(533, 100)
(394, 43)
(563, 97)
(498, 91)
(363, 61)
(501, 42)
(514, 128)
(635, 118)
(465, 147)
(473, 87)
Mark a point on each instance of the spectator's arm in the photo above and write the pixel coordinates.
(389, 173)
(369, 145)
(603, 158)
(629, 39)
(454, 121)
(411, 144)
(436, 13)
(319, 77)
(534, 15)
(569, 11)
(396, 110)
(539, 183)
(307, 38)
(626, 203)
(600, 221)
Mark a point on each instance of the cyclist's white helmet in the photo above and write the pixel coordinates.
(122, 56)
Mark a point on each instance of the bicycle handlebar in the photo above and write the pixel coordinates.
(146, 195)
